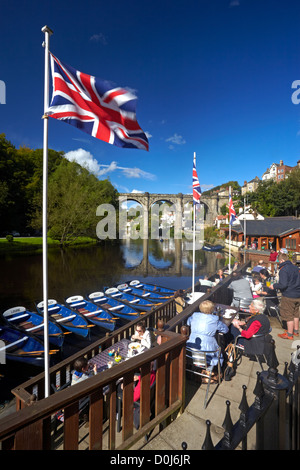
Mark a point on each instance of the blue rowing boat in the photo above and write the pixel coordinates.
(114, 306)
(18, 346)
(165, 291)
(143, 293)
(68, 319)
(33, 323)
(98, 316)
(136, 302)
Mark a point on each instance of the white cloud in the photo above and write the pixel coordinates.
(86, 160)
(100, 37)
(176, 139)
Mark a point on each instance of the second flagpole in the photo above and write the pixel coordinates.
(48, 33)
(194, 239)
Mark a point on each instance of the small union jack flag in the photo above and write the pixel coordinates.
(196, 187)
(95, 106)
(232, 214)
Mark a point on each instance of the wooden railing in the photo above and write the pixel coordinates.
(30, 427)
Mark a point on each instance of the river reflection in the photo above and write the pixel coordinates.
(84, 270)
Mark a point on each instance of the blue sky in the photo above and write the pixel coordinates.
(212, 77)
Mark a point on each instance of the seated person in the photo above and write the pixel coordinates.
(82, 370)
(179, 301)
(241, 289)
(142, 335)
(256, 324)
(204, 326)
(219, 277)
(266, 291)
(136, 393)
(206, 282)
(256, 286)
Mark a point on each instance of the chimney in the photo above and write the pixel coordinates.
(281, 163)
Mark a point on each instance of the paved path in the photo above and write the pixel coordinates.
(190, 426)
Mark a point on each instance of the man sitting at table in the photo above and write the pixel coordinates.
(142, 335)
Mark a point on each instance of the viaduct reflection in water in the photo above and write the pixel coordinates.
(172, 257)
(82, 271)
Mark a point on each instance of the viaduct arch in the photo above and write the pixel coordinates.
(212, 206)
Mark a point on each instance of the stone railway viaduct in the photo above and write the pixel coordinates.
(212, 206)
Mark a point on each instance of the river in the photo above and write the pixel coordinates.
(81, 271)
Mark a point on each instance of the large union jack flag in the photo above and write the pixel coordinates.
(196, 187)
(232, 214)
(95, 106)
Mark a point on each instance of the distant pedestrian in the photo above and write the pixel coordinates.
(259, 266)
(289, 286)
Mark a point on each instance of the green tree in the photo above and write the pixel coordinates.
(73, 197)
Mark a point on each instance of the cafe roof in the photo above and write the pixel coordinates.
(269, 227)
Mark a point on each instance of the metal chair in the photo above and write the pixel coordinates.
(243, 303)
(197, 360)
(273, 307)
(260, 358)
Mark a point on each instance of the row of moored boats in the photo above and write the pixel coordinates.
(22, 330)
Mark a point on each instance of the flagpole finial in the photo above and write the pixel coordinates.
(46, 29)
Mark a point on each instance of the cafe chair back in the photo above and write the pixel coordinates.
(198, 363)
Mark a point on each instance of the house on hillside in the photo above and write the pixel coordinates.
(272, 232)
(270, 173)
(278, 171)
(251, 186)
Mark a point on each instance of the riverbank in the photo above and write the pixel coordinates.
(35, 244)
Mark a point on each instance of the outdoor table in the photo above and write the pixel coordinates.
(220, 310)
(103, 358)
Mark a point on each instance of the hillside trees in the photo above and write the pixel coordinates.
(273, 199)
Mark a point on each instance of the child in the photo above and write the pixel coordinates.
(82, 370)
(256, 287)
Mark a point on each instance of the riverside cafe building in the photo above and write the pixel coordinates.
(271, 233)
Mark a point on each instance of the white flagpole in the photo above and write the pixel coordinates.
(229, 262)
(48, 33)
(194, 239)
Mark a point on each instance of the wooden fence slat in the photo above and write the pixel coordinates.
(127, 426)
(30, 437)
(145, 394)
(96, 419)
(71, 426)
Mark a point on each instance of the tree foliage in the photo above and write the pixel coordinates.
(273, 199)
(73, 193)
